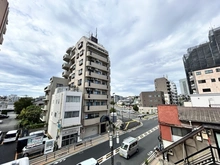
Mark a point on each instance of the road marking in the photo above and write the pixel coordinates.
(116, 151)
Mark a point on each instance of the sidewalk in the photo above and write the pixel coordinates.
(65, 152)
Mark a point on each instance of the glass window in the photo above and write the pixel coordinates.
(201, 81)
(217, 69)
(71, 114)
(180, 131)
(213, 80)
(206, 90)
(72, 98)
(208, 71)
(198, 73)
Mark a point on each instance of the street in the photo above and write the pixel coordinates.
(145, 145)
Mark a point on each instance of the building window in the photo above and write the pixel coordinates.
(71, 114)
(217, 69)
(80, 62)
(180, 131)
(206, 90)
(198, 73)
(80, 71)
(213, 80)
(149, 96)
(91, 115)
(72, 98)
(55, 114)
(208, 71)
(59, 85)
(69, 139)
(219, 79)
(201, 81)
(79, 82)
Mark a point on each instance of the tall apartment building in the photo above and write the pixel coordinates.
(65, 117)
(4, 10)
(184, 86)
(163, 84)
(203, 56)
(174, 95)
(206, 81)
(87, 67)
(49, 91)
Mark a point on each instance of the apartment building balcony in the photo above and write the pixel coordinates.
(1, 39)
(98, 86)
(97, 66)
(69, 50)
(95, 108)
(43, 118)
(65, 66)
(101, 50)
(47, 88)
(98, 76)
(45, 108)
(65, 74)
(46, 98)
(96, 56)
(95, 96)
(66, 57)
(91, 121)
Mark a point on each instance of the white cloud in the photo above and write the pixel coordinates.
(145, 40)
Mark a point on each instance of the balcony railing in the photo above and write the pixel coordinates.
(65, 74)
(66, 57)
(66, 66)
(208, 155)
(95, 108)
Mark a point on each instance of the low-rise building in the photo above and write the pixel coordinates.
(65, 116)
(190, 135)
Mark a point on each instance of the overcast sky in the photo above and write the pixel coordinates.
(145, 40)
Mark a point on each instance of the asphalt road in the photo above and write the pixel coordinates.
(146, 144)
(7, 152)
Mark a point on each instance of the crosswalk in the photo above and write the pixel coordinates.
(116, 151)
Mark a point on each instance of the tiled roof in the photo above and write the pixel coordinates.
(199, 114)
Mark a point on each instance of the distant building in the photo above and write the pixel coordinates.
(164, 85)
(65, 116)
(203, 56)
(184, 86)
(4, 10)
(206, 81)
(49, 91)
(205, 100)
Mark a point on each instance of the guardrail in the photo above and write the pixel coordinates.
(64, 151)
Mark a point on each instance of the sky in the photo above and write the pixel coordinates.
(145, 40)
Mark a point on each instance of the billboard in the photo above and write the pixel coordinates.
(49, 145)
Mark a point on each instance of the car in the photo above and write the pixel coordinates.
(1, 121)
(32, 150)
(11, 136)
(3, 116)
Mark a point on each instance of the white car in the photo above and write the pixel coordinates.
(1, 121)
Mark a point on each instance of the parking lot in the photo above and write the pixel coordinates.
(8, 151)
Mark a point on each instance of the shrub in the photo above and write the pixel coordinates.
(146, 162)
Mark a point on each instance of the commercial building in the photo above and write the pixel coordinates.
(164, 85)
(4, 10)
(184, 86)
(49, 91)
(65, 116)
(87, 67)
(203, 56)
(205, 81)
(150, 100)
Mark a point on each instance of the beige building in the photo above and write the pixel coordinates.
(87, 67)
(3, 18)
(206, 80)
(49, 91)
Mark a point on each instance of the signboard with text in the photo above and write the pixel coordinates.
(49, 145)
(34, 141)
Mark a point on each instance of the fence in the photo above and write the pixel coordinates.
(63, 152)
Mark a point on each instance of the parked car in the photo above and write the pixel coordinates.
(3, 116)
(1, 121)
(32, 150)
(11, 136)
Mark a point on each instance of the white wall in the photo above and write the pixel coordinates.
(150, 110)
(203, 100)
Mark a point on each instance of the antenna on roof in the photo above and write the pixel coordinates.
(96, 33)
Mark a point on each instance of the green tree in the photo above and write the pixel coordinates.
(30, 115)
(112, 110)
(135, 107)
(22, 103)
